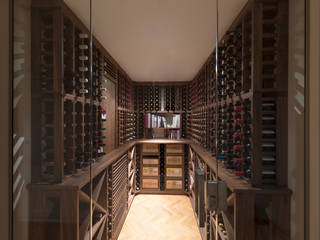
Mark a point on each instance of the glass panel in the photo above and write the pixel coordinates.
(22, 118)
(296, 116)
(231, 140)
(51, 135)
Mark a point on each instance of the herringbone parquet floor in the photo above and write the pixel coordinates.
(160, 217)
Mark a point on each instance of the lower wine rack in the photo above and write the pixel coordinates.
(117, 195)
(162, 168)
(65, 208)
(62, 211)
(252, 213)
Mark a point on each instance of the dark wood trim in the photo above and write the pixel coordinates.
(161, 84)
(256, 134)
(280, 218)
(10, 149)
(306, 123)
(244, 217)
(235, 184)
(6, 147)
(79, 180)
(256, 49)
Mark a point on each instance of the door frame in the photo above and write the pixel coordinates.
(312, 121)
(6, 118)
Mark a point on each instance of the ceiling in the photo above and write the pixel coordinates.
(158, 40)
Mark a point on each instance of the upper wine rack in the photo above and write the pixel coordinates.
(157, 98)
(251, 106)
(64, 116)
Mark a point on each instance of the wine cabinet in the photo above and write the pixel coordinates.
(155, 98)
(249, 114)
(64, 116)
(162, 168)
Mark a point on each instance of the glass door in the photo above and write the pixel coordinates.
(53, 110)
(232, 139)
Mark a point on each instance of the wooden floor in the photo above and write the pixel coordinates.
(160, 217)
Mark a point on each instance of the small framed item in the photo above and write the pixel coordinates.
(150, 171)
(174, 184)
(174, 172)
(150, 183)
(174, 160)
(150, 148)
(150, 161)
(175, 148)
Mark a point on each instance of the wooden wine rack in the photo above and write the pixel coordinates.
(117, 195)
(162, 168)
(155, 97)
(252, 129)
(62, 122)
(159, 98)
(252, 96)
(127, 125)
(127, 114)
(253, 212)
(62, 211)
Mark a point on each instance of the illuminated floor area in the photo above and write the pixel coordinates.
(160, 217)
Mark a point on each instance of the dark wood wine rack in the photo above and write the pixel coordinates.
(127, 114)
(251, 130)
(127, 125)
(252, 95)
(62, 211)
(252, 213)
(161, 98)
(125, 92)
(154, 97)
(162, 167)
(117, 195)
(62, 122)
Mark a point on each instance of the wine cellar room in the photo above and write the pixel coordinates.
(160, 120)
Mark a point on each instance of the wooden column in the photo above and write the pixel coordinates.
(69, 210)
(244, 212)
(280, 217)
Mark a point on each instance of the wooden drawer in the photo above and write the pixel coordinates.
(174, 160)
(150, 183)
(150, 171)
(174, 184)
(174, 172)
(175, 148)
(150, 161)
(150, 148)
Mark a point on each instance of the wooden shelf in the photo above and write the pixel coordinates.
(163, 128)
(164, 112)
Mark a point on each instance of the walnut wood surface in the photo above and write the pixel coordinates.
(234, 183)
